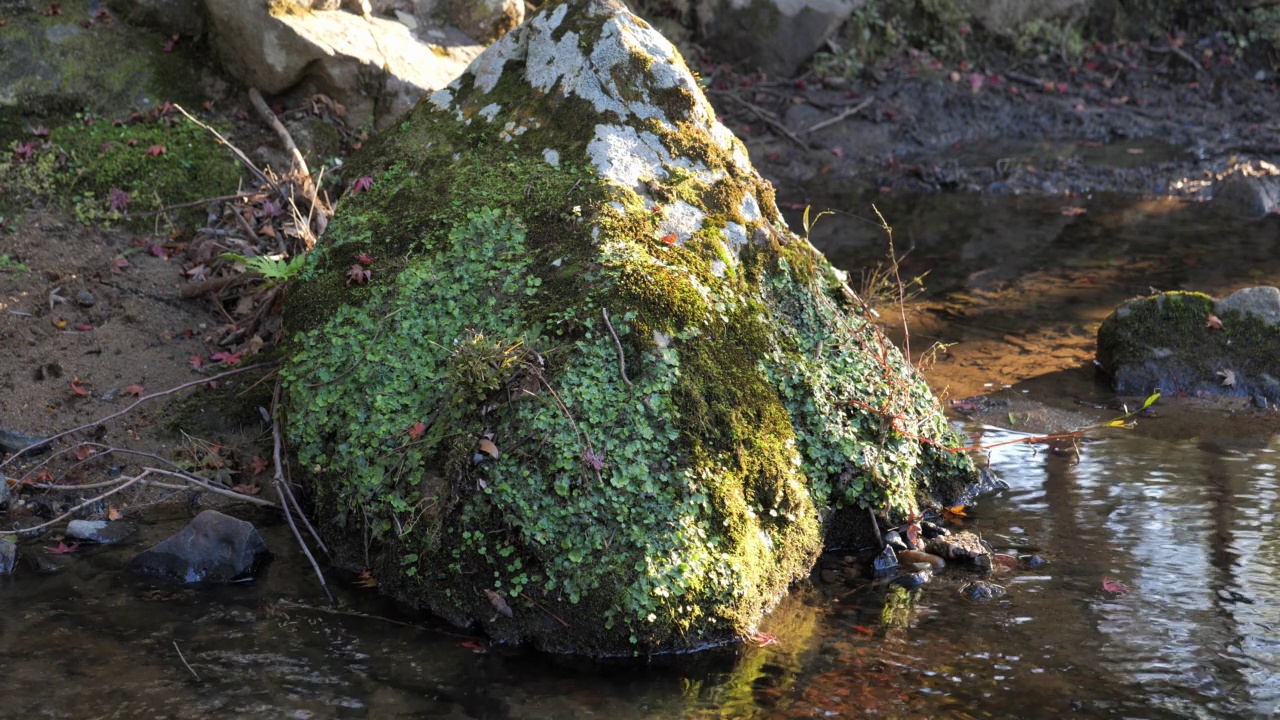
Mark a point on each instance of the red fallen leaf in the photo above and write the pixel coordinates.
(367, 579)
(84, 327)
(247, 489)
(53, 9)
(258, 465)
(365, 258)
(361, 184)
(83, 452)
(118, 265)
(416, 431)
(241, 115)
(41, 131)
(864, 630)
(913, 535)
(1073, 211)
(117, 200)
(157, 150)
(1114, 586)
(25, 151)
(669, 238)
(1008, 561)
(62, 548)
(113, 513)
(1213, 322)
(761, 639)
(155, 249)
(196, 361)
(359, 274)
(171, 44)
(134, 390)
(226, 357)
(131, 142)
(77, 389)
(474, 646)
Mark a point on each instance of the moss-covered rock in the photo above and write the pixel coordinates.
(1183, 342)
(561, 370)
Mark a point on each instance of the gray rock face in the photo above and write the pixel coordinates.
(1169, 342)
(212, 548)
(100, 531)
(375, 67)
(1006, 17)
(961, 546)
(184, 17)
(485, 20)
(1250, 190)
(775, 36)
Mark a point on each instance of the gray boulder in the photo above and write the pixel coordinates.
(374, 66)
(1189, 343)
(776, 36)
(101, 532)
(1249, 190)
(212, 548)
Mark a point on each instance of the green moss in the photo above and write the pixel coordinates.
(661, 510)
(166, 162)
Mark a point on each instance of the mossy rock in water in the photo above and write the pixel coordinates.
(1189, 343)
(560, 370)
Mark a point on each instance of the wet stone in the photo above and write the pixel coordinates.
(830, 576)
(929, 560)
(931, 530)
(100, 531)
(42, 563)
(8, 556)
(22, 525)
(982, 591)
(895, 541)
(212, 548)
(911, 581)
(961, 546)
(886, 563)
(1032, 562)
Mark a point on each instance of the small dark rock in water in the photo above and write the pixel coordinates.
(1032, 561)
(932, 530)
(982, 591)
(100, 531)
(86, 299)
(830, 576)
(14, 441)
(212, 548)
(895, 541)
(886, 563)
(42, 563)
(21, 525)
(8, 556)
(911, 581)
(1260, 401)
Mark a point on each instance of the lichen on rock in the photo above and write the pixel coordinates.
(591, 370)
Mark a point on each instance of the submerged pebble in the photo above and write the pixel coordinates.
(982, 591)
(911, 581)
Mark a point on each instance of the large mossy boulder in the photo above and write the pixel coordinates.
(560, 370)
(1190, 344)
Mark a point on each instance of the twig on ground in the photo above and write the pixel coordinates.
(212, 285)
(299, 164)
(205, 485)
(124, 483)
(543, 609)
(135, 404)
(832, 121)
(278, 442)
(622, 360)
(184, 661)
(195, 203)
(303, 516)
(235, 150)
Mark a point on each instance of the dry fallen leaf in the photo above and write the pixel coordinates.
(1213, 322)
(1228, 378)
(113, 513)
(487, 446)
(134, 390)
(367, 579)
(498, 602)
(247, 489)
(957, 511)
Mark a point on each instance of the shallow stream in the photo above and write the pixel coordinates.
(1185, 520)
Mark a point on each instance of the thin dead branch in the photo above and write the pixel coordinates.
(622, 360)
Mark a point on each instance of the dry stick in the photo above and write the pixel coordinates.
(622, 360)
(135, 404)
(902, 293)
(765, 116)
(184, 661)
(124, 483)
(279, 482)
(221, 198)
(238, 153)
(832, 121)
(300, 165)
(212, 285)
(209, 487)
(298, 508)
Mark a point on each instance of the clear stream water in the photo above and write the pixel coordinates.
(1187, 522)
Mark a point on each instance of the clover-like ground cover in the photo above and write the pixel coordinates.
(566, 208)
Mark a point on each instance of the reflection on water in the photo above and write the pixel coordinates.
(1190, 529)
